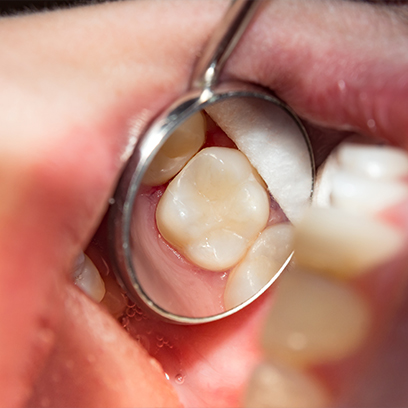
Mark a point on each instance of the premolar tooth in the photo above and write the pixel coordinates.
(179, 148)
(262, 262)
(274, 145)
(86, 276)
(276, 386)
(358, 194)
(214, 208)
(314, 320)
(377, 162)
(344, 244)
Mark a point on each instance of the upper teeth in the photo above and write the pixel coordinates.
(214, 208)
(356, 182)
(361, 178)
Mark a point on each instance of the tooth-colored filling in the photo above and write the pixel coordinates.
(86, 276)
(315, 320)
(262, 262)
(214, 208)
(277, 386)
(179, 148)
(334, 241)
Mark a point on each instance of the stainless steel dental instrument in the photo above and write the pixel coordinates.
(146, 279)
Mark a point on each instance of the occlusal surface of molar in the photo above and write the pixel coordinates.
(214, 208)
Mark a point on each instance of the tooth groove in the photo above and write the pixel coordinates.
(214, 208)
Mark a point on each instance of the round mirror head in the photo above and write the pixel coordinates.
(204, 213)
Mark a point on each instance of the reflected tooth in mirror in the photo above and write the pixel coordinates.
(314, 320)
(86, 276)
(178, 149)
(377, 162)
(262, 263)
(274, 145)
(335, 242)
(276, 386)
(358, 194)
(214, 208)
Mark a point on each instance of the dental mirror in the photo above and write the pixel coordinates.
(202, 218)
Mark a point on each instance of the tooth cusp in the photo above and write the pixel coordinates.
(214, 208)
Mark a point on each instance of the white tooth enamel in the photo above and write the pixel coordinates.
(179, 148)
(364, 179)
(358, 194)
(276, 386)
(86, 276)
(377, 162)
(345, 244)
(214, 208)
(262, 263)
(314, 320)
(274, 145)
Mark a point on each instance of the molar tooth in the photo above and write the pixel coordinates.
(262, 262)
(314, 320)
(276, 386)
(377, 162)
(274, 145)
(178, 149)
(214, 208)
(86, 276)
(358, 194)
(344, 244)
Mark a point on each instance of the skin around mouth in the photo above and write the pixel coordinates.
(82, 88)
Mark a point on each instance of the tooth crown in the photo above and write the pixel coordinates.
(179, 148)
(214, 208)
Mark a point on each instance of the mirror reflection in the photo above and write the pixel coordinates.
(212, 221)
